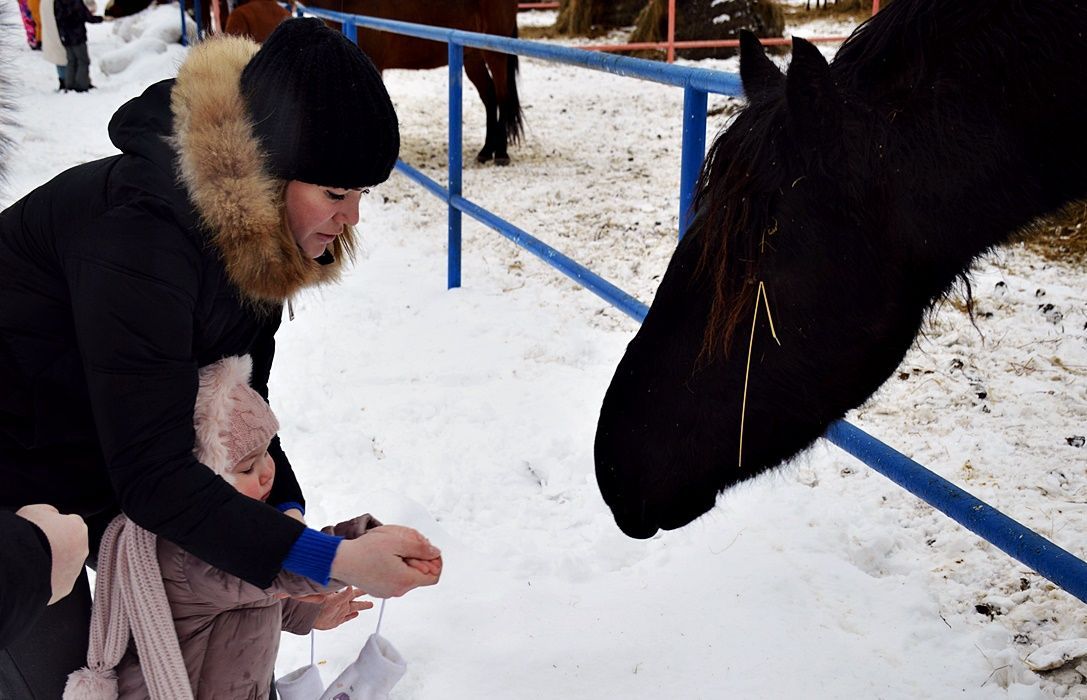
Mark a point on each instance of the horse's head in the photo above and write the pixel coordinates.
(829, 216)
(724, 381)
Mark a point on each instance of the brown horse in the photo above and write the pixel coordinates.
(116, 9)
(493, 74)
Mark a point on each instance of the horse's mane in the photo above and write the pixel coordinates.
(907, 43)
(896, 56)
(736, 173)
(904, 34)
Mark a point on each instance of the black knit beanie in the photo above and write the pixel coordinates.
(319, 108)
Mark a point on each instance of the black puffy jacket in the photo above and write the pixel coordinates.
(72, 17)
(25, 571)
(118, 279)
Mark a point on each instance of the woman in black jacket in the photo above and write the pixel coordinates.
(237, 186)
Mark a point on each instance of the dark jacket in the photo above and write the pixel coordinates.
(72, 17)
(118, 279)
(26, 566)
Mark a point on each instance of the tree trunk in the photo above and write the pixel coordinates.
(579, 17)
(575, 17)
(709, 20)
(648, 25)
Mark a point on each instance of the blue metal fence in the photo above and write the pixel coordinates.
(196, 15)
(1051, 561)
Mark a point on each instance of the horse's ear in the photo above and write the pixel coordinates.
(757, 72)
(808, 85)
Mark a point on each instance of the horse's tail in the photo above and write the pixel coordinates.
(510, 108)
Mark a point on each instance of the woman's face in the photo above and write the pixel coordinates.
(316, 214)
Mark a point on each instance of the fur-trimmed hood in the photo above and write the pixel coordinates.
(207, 139)
(221, 165)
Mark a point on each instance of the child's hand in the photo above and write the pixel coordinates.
(430, 567)
(337, 608)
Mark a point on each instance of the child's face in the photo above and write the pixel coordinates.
(253, 476)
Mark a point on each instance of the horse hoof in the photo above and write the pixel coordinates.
(483, 157)
(501, 160)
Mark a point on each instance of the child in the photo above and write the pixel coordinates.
(227, 630)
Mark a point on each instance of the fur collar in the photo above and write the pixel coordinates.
(221, 165)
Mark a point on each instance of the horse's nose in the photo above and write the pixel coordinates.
(629, 508)
(635, 521)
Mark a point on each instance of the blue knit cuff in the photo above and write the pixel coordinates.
(312, 555)
(284, 507)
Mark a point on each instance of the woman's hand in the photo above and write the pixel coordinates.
(67, 535)
(388, 561)
(337, 608)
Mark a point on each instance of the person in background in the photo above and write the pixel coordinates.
(30, 24)
(36, 14)
(42, 553)
(52, 50)
(237, 187)
(72, 17)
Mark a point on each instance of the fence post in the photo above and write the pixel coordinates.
(456, 84)
(184, 29)
(694, 150)
(199, 24)
(351, 31)
(671, 31)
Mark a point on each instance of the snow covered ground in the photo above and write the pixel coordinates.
(470, 415)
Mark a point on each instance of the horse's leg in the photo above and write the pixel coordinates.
(503, 69)
(224, 13)
(205, 18)
(476, 69)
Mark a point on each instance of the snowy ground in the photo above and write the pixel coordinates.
(470, 415)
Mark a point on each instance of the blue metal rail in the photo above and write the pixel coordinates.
(578, 272)
(1049, 560)
(1022, 543)
(696, 84)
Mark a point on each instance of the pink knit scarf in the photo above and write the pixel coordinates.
(129, 597)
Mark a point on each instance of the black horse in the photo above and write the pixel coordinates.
(835, 210)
